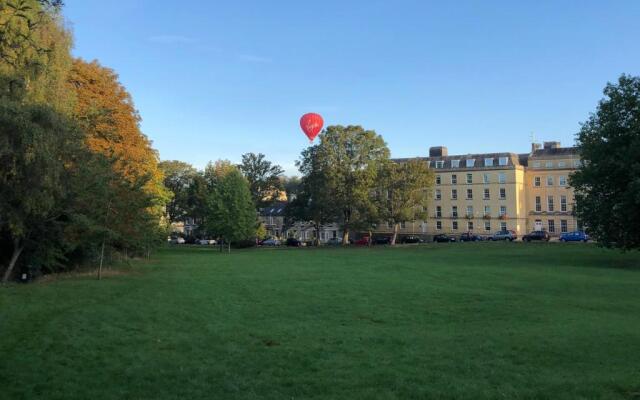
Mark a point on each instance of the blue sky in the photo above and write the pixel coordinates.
(215, 79)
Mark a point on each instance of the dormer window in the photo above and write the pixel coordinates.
(439, 164)
(471, 162)
(488, 162)
(502, 161)
(455, 163)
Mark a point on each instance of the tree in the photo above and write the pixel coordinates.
(350, 158)
(231, 214)
(263, 176)
(313, 200)
(178, 178)
(37, 144)
(607, 186)
(107, 115)
(402, 192)
(35, 56)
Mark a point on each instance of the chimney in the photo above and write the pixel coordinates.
(438, 151)
(534, 147)
(551, 145)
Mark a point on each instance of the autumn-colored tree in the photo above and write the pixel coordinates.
(111, 123)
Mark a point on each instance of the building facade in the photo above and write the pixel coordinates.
(486, 193)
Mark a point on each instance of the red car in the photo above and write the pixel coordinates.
(364, 241)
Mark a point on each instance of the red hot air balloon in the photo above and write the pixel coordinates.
(311, 124)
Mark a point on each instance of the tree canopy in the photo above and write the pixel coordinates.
(263, 176)
(607, 186)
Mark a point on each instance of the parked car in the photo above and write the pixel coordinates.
(411, 239)
(293, 242)
(177, 240)
(204, 242)
(382, 240)
(334, 242)
(469, 237)
(443, 238)
(504, 235)
(576, 236)
(363, 241)
(270, 242)
(536, 235)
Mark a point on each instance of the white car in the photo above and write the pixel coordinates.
(271, 242)
(178, 241)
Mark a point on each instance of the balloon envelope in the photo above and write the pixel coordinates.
(311, 125)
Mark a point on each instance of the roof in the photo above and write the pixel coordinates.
(274, 210)
(512, 160)
(555, 152)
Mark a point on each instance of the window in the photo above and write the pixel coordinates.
(438, 180)
(550, 203)
(577, 163)
(455, 163)
(562, 181)
(564, 226)
(502, 161)
(469, 194)
(470, 225)
(454, 225)
(548, 164)
(552, 226)
(487, 226)
(536, 164)
(563, 203)
(439, 225)
(439, 164)
(471, 162)
(469, 178)
(403, 225)
(549, 180)
(488, 162)
(561, 164)
(538, 204)
(454, 212)
(454, 194)
(485, 178)
(454, 179)
(438, 212)
(487, 210)
(502, 178)
(438, 194)
(503, 210)
(536, 181)
(469, 211)
(503, 226)
(503, 193)
(486, 194)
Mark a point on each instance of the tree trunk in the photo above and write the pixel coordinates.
(318, 235)
(101, 260)
(370, 239)
(395, 234)
(345, 237)
(17, 250)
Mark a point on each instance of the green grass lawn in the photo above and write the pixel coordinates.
(458, 321)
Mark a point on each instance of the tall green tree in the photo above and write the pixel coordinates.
(402, 192)
(35, 56)
(263, 176)
(312, 201)
(607, 186)
(37, 144)
(350, 158)
(231, 214)
(178, 178)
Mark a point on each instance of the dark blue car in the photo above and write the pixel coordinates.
(577, 236)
